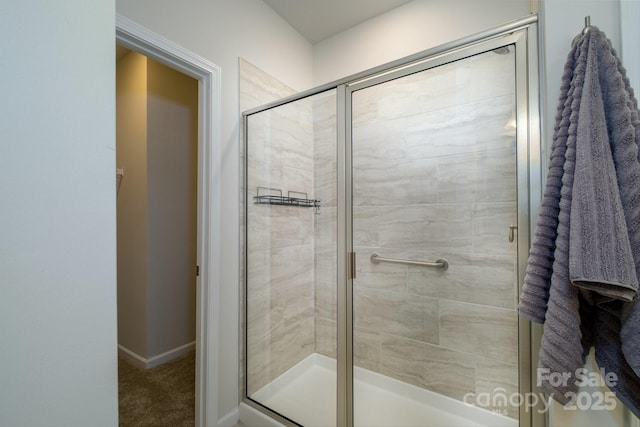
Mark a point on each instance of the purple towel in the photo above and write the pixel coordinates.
(600, 256)
(582, 276)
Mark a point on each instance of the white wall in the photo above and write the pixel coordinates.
(131, 156)
(561, 21)
(221, 31)
(172, 170)
(630, 34)
(57, 214)
(408, 29)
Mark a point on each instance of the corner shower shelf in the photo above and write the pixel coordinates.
(288, 200)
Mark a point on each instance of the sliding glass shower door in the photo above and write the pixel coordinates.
(434, 207)
(290, 256)
(386, 230)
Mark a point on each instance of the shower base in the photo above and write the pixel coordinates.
(306, 393)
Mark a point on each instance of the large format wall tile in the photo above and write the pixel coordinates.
(325, 223)
(491, 223)
(496, 176)
(481, 126)
(258, 87)
(365, 106)
(258, 366)
(381, 276)
(475, 278)
(401, 227)
(457, 178)
(480, 330)
(429, 90)
(290, 343)
(434, 177)
(498, 380)
(449, 372)
(443, 132)
(280, 294)
(326, 340)
(403, 359)
(440, 370)
(366, 222)
(401, 182)
(434, 158)
(366, 349)
(447, 228)
(496, 123)
(397, 314)
(377, 140)
(493, 75)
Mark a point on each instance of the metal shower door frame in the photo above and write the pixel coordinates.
(523, 34)
(529, 176)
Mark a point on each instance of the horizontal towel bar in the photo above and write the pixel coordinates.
(440, 263)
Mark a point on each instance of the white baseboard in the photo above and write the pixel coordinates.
(230, 419)
(251, 417)
(137, 360)
(154, 361)
(171, 354)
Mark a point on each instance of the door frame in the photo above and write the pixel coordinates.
(138, 38)
(528, 174)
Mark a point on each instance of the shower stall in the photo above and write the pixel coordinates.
(386, 229)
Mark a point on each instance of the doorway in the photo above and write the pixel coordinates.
(156, 179)
(136, 37)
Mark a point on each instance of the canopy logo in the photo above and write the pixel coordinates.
(500, 401)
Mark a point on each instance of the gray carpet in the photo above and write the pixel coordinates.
(160, 396)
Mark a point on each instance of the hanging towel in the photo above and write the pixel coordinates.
(582, 275)
(600, 256)
(624, 129)
(535, 292)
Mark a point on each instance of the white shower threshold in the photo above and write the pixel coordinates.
(306, 394)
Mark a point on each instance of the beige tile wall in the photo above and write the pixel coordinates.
(325, 231)
(280, 239)
(434, 177)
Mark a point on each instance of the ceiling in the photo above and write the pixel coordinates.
(317, 20)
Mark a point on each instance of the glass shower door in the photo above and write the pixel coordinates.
(434, 208)
(290, 255)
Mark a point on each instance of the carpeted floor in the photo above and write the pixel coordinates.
(160, 396)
